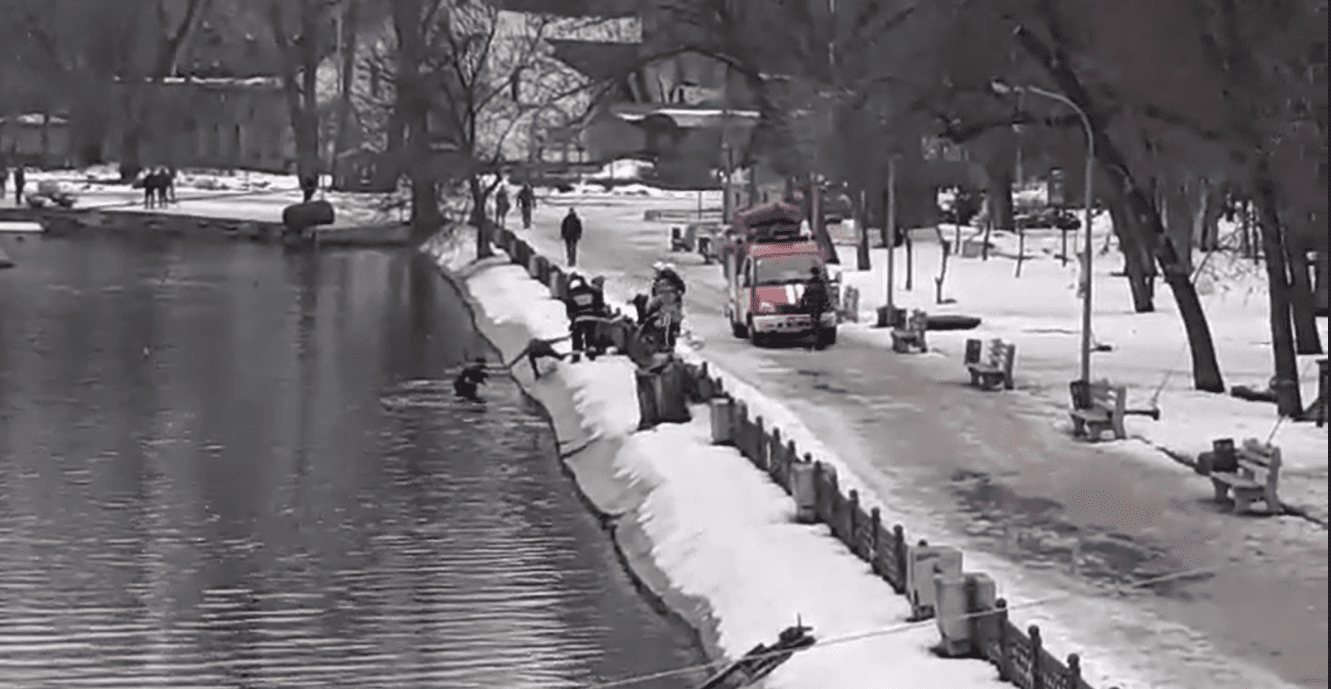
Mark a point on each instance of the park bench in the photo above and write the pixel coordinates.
(1252, 472)
(912, 335)
(996, 369)
(1104, 412)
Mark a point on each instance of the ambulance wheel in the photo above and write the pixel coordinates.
(826, 338)
(739, 330)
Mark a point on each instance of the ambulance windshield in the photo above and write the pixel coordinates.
(780, 270)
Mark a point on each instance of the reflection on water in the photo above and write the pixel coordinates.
(223, 466)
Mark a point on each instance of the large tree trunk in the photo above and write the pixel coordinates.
(1138, 266)
(1205, 368)
(1286, 384)
(349, 20)
(307, 134)
(1306, 339)
(1177, 210)
(479, 195)
(999, 194)
(410, 112)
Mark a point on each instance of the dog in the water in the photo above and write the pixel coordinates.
(536, 349)
(473, 376)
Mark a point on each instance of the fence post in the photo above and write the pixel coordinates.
(1004, 643)
(899, 542)
(1037, 674)
(833, 497)
(774, 456)
(1074, 671)
(759, 444)
(791, 458)
(876, 525)
(851, 510)
(742, 427)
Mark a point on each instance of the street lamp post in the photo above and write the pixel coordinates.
(1002, 89)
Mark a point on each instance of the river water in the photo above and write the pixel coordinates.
(225, 465)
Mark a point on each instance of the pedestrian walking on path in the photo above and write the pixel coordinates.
(18, 185)
(571, 231)
(526, 202)
(4, 177)
(501, 206)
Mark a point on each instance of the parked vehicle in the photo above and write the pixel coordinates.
(1047, 218)
(769, 265)
(703, 237)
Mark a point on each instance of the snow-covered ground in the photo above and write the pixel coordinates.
(719, 531)
(1040, 312)
(215, 194)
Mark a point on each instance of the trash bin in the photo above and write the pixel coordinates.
(1223, 456)
(973, 349)
(1081, 394)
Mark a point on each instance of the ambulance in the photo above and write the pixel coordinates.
(768, 261)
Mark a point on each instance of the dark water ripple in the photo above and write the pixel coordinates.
(225, 467)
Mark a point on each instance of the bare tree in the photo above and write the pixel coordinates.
(301, 53)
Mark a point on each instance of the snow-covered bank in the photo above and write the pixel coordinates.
(704, 529)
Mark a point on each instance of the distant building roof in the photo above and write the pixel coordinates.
(598, 60)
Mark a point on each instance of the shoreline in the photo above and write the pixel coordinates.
(589, 461)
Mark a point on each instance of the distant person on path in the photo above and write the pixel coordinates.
(18, 185)
(163, 187)
(501, 205)
(571, 231)
(150, 182)
(816, 299)
(526, 202)
(171, 183)
(4, 177)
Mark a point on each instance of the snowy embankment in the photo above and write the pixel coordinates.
(1040, 311)
(699, 525)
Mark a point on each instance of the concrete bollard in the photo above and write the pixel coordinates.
(646, 400)
(671, 405)
(950, 613)
(804, 491)
(921, 562)
(559, 285)
(981, 596)
(723, 421)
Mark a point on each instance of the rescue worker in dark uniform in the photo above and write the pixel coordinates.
(585, 304)
(816, 300)
(666, 307)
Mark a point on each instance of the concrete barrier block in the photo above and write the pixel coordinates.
(723, 421)
(921, 562)
(981, 596)
(950, 613)
(804, 491)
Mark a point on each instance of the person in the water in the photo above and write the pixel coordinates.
(471, 377)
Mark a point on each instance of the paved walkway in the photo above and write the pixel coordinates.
(991, 474)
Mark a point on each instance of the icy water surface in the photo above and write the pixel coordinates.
(226, 466)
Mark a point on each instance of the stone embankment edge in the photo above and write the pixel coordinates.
(590, 465)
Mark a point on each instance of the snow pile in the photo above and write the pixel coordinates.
(719, 531)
